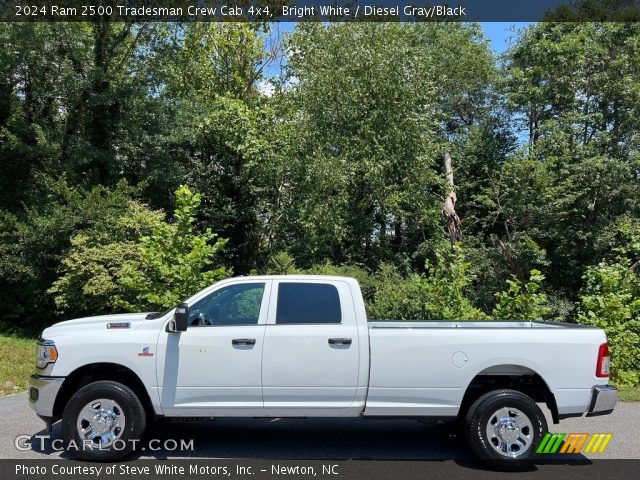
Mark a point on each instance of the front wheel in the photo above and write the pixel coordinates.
(103, 421)
(504, 429)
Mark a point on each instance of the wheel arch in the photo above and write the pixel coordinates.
(511, 376)
(94, 372)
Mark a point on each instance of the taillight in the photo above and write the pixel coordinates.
(602, 367)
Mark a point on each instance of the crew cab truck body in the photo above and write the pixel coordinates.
(301, 346)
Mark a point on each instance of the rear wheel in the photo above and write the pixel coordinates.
(504, 429)
(103, 421)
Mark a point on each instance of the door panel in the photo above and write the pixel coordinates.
(300, 366)
(213, 368)
(302, 370)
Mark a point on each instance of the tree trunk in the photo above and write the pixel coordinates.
(451, 219)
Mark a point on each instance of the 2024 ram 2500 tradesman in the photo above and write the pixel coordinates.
(301, 346)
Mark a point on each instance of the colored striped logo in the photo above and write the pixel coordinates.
(574, 442)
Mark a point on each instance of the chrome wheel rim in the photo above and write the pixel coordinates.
(100, 423)
(510, 432)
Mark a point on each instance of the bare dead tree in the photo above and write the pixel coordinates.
(451, 219)
(509, 255)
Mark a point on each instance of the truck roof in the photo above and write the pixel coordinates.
(290, 277)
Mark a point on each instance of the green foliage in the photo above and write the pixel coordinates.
(175, 261)
(626, 242)
(282, 264)
(398, 298)
(365, 184)
(232, 160)
(34, 242)
(440, 294)
(610, 299)
(92, 270)
(522, 301)
(575, 87)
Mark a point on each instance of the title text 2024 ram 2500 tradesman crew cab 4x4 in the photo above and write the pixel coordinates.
(301, 346)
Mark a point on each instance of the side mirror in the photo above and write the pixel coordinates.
(181, 317)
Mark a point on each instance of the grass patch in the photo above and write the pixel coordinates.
(17, 363)
(629, 394)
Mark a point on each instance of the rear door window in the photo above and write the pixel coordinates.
(308, 303)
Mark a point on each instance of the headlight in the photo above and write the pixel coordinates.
(46, 354)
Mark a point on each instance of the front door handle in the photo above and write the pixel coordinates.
(243, 341)
(339, 341)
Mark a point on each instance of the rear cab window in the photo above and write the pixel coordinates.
(308, 303)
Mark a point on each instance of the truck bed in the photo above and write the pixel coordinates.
(424, 368)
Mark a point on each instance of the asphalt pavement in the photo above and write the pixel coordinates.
(306, 439)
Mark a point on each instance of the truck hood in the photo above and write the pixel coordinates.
(99, 323)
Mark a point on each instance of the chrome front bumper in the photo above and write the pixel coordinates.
(603, 400)
(42, 394)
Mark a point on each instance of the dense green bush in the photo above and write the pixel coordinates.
(610, 299)
(34, 242)
(397, 297)
(91, 272)
(522, 301)
(282, 264)
(137, 261)
(440, 294)
(174, 260)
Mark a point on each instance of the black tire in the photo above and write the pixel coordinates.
(127, 404)
(481, 416)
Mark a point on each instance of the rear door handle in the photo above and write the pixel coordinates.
(243, 341)
(340, 341)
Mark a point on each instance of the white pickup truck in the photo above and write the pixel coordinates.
(301, 346)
